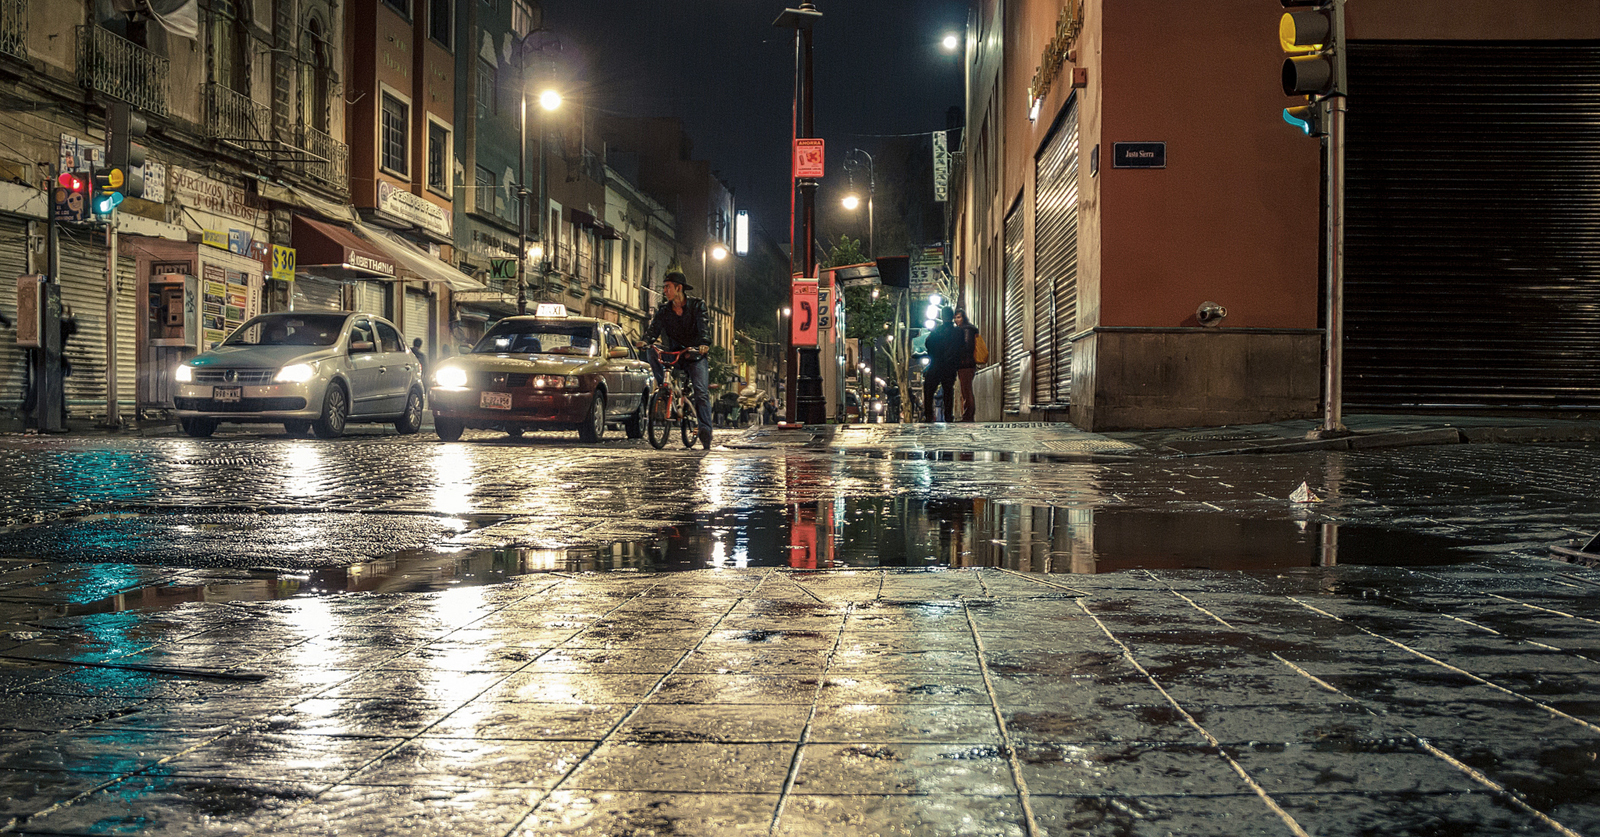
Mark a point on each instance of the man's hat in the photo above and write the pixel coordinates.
(675, 275)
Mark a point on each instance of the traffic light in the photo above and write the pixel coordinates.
(125, 127)
(1308, 118)
(108, 184)
(1313, 36)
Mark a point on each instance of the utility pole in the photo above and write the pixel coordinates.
(806, 381)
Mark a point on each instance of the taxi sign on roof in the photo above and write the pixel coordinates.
(550, 309)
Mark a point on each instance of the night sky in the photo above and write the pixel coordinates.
(722, 67)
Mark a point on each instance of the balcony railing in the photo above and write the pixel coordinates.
(335, 173)
(14, 28)
(234, 117)
(121, 69)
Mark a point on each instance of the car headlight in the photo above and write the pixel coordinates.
(184, 373)
(297, 373)
(450, 377)
(555, 382)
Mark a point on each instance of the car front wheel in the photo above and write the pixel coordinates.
(410, 421)
(297, 427)
(335, 409)
(198, 427)
(449, 429)
(633, 425)
(594, 424)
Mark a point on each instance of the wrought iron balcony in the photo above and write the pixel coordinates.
(235, 118)
(14, 28)
(121, 69)
(335, 171)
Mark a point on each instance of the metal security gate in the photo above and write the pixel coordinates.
(369, 299)
(1013, 342)
(311, 294)
(13, 263)
(1473, 226)
(1055, 281)
(416, 324)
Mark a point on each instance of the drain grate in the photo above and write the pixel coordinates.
(226, 462)
(1090, 445)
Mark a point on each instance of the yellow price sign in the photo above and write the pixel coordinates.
(283, 263)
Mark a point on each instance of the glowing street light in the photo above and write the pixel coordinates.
(951, 41)
(550, 100)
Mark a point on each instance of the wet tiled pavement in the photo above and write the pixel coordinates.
(1339, 700)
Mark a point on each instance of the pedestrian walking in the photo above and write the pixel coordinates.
(969, 363)
(944, 358)
(422, 360)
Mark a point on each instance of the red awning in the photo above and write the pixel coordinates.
(329, 247)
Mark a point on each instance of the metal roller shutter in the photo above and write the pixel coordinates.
(1012, 342)
(317, 295)
(1473, 238)
(416, 324)
(1055, 278)
(369, 298)
(13, 263)
(83, 289)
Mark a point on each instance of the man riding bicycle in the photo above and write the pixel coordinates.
(682, 320)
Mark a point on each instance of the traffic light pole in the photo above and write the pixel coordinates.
(1333, 145)
(113, 415)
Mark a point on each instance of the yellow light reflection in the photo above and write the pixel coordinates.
(453, 479)
(304, 460)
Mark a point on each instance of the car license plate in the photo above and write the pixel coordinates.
(495, 400)
(227, 395)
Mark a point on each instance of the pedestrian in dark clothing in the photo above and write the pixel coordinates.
(422, 361)
(969, 363)
(944, 358)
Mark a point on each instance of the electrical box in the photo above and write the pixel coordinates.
(173, 317)
(30, 311)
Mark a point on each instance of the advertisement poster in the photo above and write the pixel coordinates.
(213, 304)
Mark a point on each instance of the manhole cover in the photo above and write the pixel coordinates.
(1090, 445)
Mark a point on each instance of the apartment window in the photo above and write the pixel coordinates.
(401, 6)
(604, 253)
(483, 192)
(315, 76)
(441, 21)
(396, 127)
(522, 18)
(230, 65)
(438, 158)
(487, 87)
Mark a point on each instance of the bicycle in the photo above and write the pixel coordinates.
(673, 401)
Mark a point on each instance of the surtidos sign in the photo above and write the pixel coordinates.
(1068, 25)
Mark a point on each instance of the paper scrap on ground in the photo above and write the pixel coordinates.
(1303, 495)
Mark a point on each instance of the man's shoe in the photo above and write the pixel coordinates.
(705, 439)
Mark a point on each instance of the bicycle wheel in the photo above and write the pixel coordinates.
(658, 422)
(690, 429)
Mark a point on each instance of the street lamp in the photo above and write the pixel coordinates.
(852, 163)
(539, 39)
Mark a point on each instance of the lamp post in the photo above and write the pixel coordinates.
(538, 39)
(852, 162)
(806, 371)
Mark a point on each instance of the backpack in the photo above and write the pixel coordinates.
(980, 349)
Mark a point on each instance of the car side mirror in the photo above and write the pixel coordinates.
(215, 344)
(618, 351)
(360, 346)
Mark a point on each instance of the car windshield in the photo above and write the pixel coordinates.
(289, 330)
(527, 338)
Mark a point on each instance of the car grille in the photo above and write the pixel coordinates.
(514, 380)
(243, 405)
(246, 377)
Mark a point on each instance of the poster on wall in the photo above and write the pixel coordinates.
(213, 304)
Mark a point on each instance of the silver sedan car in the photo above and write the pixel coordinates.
(310, 371)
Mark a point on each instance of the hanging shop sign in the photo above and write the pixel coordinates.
(404, 206)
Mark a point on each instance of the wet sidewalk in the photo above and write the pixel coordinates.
(1325, 700)
(1367, 431)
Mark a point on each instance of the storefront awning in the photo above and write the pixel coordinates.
(585, 219)
(416, 260)
(328, 249)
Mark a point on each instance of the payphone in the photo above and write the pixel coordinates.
(173, 317)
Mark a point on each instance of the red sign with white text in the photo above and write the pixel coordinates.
(807, 158)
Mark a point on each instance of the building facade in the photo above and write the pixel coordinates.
(1104, 199)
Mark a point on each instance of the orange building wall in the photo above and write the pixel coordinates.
(1234, 218)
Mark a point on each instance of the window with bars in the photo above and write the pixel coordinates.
(483, 192)
(396, 124)
(438, 158)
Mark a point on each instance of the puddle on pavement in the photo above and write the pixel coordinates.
(869, 533)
